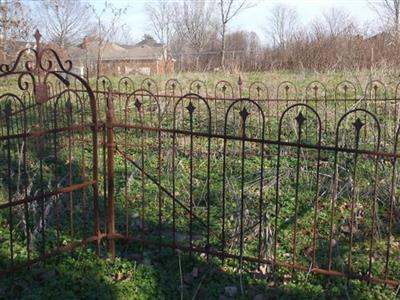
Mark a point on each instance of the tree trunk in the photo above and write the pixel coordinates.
(223, 48)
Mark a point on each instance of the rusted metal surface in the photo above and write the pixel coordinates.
(49, 176)
(331, 100)
(272, 159)
(110, 172)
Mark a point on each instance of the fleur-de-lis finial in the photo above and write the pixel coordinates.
(190, 107)
(244, 114)
(37, 36)
(358, 124)
(138, 104)
(300, 119)
(240, 82)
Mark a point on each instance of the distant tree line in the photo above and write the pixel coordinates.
(194, 31)
(199, 36)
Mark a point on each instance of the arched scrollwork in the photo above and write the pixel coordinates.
(49, 130)
(42, 60)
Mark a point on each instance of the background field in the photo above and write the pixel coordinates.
(170, 275)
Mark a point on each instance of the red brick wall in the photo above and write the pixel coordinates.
(126, 67)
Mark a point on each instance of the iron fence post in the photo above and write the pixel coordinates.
(110, 172)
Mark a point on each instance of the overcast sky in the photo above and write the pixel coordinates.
(253, 19)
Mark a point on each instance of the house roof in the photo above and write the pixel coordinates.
(143, 50)
(148, 41)
(13, 46)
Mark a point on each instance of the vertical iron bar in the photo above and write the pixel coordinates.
(8, 111)
(300, 120)
(25, 180)
(173, 176)
(71, 203)
(261, 200)
(358, 125)
(57, 197)
(110, 171)
(160, 202)
(191, 110)
(41, 150)
(224, 190)
(316, 202)
(208, 182)
(393, 190)
(244, 114)
(126, 169)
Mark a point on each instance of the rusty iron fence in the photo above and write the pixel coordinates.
(298, 185)
(300, 181)
(49, 172)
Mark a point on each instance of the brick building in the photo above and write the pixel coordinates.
(146, 57)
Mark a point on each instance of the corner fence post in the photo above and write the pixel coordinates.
(110, 173)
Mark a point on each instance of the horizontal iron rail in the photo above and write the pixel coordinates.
(221, 254)
(259, 140)
(177, 96)
(38, 133)
(63, 190)
(58, 251)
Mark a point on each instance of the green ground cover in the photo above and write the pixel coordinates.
(149, 274)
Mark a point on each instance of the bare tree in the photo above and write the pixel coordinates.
(161, 15)
(283, 23)
(15, 24)
(105, 28)
(124, 35)
(66, 21)
(338, 22)
(194, 25)
(228, 10)
(389, 13)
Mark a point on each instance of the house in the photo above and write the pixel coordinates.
(10, 48)
(146, 57)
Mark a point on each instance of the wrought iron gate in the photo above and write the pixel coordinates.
(48, 145)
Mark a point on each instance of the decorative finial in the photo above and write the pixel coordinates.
(300, 119)
(240, 82)
(358, 124)
(138, 104)
(190, 107)
(244, 114)
(37, 36)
